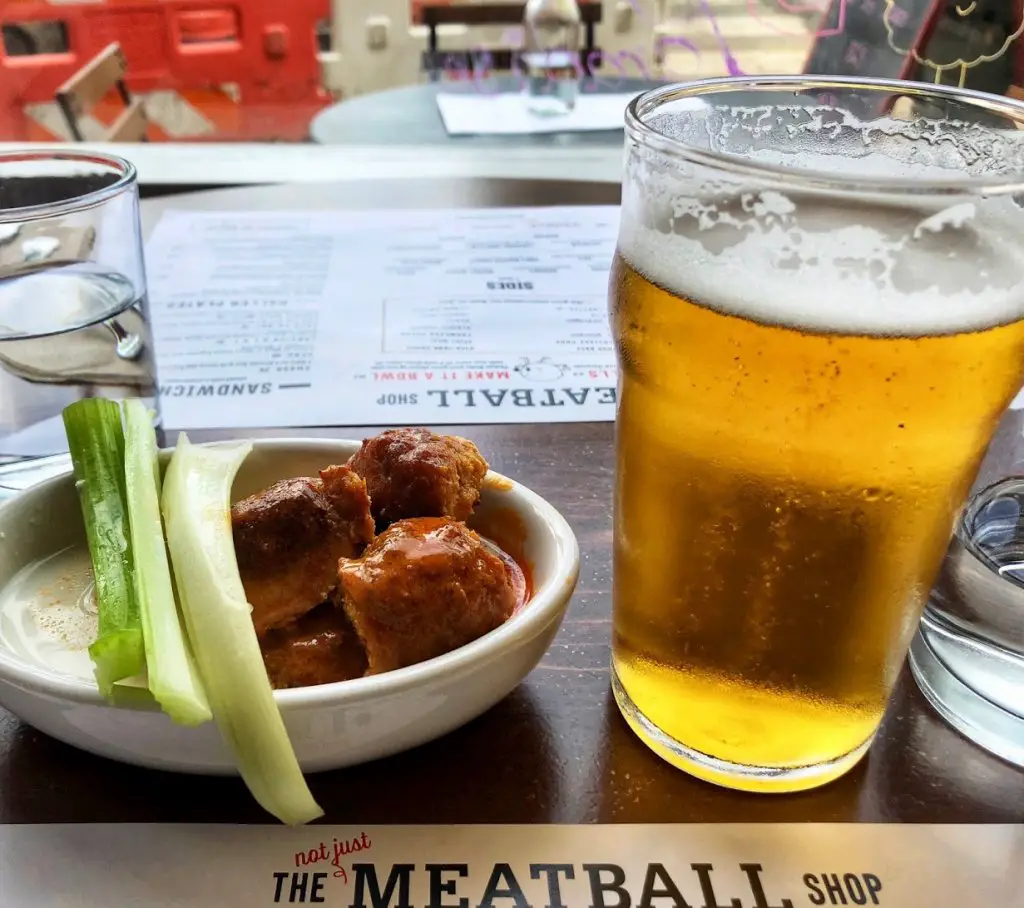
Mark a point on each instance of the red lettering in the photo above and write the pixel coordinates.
(345, 847)
(305, 858)
(489, 375)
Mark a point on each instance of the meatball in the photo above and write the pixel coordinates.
(289, 537)
(415, 473)
(319, 648)
(422, 588)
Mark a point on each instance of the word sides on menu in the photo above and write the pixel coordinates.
(267, 320)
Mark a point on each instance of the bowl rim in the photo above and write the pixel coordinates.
(549, 600)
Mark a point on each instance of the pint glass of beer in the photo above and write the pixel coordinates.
(817, 301)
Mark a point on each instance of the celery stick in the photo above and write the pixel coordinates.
(197, 516)
(172, 677)
(96, 443)
(133, 693)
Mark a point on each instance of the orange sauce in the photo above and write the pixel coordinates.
(506, 529)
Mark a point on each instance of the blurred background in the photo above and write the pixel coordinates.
(264, 70)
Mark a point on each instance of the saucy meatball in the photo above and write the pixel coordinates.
(320, 648)
(416, 473)
(422, 588)
(289, 537)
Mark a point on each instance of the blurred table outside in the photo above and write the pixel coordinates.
(705, 38)
(556, 749)
(409, 116)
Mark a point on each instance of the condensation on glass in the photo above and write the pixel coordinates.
(819, 321)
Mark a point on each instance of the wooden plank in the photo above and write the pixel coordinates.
(93, 80)
(130, 126)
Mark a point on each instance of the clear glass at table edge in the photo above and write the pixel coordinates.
(818, 310)
(73, 316)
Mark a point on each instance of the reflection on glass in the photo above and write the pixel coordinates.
(73, 317)
(969, 656)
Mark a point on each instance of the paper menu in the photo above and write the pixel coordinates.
(266, 320)
(712, 865)
(478, 113)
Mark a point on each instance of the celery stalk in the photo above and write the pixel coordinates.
(172, 677)
(197, 517)
(96, 443)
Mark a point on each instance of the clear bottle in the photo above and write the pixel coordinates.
(551, 55)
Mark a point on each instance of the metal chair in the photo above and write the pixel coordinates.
(79, 94)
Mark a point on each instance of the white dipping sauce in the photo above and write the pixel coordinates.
(48, 613)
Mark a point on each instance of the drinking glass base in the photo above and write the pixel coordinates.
(737, 776)
(975, 716)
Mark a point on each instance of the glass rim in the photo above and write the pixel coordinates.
(127, 177)
(809, 177)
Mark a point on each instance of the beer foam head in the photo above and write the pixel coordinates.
(849, 262)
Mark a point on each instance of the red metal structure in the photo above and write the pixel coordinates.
(237, 71)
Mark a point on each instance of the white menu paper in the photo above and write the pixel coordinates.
(265, 320)
(723, 865)
(478, 113)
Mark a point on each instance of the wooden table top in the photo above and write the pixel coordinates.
(555, 750)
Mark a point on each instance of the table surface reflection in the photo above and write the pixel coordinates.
(555, 750)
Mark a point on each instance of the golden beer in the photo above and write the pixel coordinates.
(784, 497)
(818, 313)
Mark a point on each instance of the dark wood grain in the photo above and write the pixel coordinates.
(555, 750)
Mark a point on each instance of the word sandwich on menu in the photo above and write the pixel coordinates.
(266, 320)
(721, 865)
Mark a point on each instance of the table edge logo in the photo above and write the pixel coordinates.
(305, 880)
(388, 884)
(331, 854)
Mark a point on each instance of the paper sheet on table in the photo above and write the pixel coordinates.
(752, 865)
(265, 320)
(507, 114)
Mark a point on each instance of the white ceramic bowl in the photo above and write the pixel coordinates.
(331, 725)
